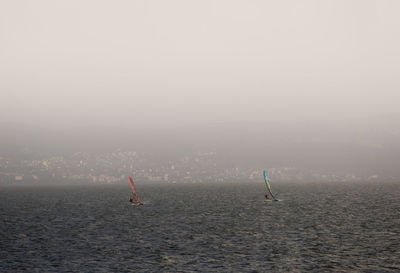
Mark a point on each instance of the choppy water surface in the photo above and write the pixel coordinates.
(206, 228)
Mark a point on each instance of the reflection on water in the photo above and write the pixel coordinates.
(209, 228)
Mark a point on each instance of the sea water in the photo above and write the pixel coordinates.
(334, 227)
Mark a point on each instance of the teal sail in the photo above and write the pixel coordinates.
(268, 186)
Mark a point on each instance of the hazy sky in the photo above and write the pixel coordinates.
(164, 63)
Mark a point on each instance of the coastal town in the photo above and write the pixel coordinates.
(114, 167)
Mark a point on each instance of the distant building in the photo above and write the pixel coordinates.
(155, 178)
(18, 177)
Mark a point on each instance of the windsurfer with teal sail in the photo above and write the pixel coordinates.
(268, 188)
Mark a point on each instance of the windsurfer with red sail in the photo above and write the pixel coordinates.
(135, 198)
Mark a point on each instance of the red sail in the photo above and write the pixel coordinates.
(134, 190)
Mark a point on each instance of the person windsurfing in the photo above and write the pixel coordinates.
(135, 198)
(135, 201)
(266, 179)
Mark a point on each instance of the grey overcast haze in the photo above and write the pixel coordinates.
(166, 63)
(141, 136)
(309, 83)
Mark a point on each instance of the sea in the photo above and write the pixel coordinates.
(315, 227)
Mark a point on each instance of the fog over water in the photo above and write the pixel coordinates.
(194, 99)
(299, 79)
